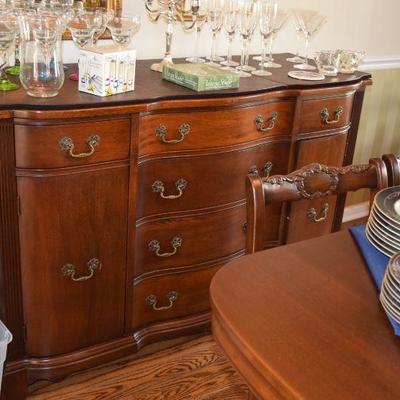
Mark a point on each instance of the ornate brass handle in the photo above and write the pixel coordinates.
(162, 131)
(158, 187)
(152, 301)
(266, 126)
(266, 169)
(67, 144)
(70, 270)
(154, 246)
(312, 214)
(325, 115)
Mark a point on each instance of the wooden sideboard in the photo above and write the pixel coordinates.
(117, 212)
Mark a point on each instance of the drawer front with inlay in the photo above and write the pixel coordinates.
(324, 114)
(161, 133)
(193, 182)
(179, 242)
(171, 296)
(86, 142)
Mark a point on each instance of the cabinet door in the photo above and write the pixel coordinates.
(329, 151)
(73, 254)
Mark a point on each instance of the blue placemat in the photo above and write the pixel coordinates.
(375, 260)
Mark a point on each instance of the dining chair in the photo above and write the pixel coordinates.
(310, 182)
(392, 163)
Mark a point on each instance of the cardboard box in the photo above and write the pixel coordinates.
(107, 70)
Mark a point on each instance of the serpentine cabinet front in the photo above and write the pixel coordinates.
(115, 219)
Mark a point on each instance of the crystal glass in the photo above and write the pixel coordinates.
(231, 19)
(42, 72)
(327, 62)
(279, 22)
(106, 16)
(248, 18)
(268, 12)
(198, 12)
(124, 28)
(310, 23)
(349, 60)
(299, 36)
(82, 26)
(8, 31)
(215, 18)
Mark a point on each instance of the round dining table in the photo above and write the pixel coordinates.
(303, 321)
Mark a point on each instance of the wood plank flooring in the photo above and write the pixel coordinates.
(195, 370)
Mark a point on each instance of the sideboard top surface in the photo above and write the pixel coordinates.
(151, 88)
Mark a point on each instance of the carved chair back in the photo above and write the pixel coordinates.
(310, 182)
(392, 163)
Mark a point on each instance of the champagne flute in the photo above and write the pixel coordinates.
(215, 20)
(231, 15)
(310, 23)
(248, 18)
(268, 12)
(199, 16)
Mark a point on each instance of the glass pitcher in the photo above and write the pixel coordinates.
(42, 70)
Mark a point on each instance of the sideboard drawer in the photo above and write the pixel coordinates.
(160, 133)
(323, 114)
(193, 182)
(184, 241)
(87, 142)
(172, 296)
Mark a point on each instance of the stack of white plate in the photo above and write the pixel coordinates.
(383, 227)
(390, 290)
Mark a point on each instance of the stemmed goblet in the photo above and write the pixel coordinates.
(268, 11)
(8, 31)
(106, 16)
(248, 18)
(198, 12)
(299, 36)
(215, 18)
(123, 29)
(231, 19)
(310, 23)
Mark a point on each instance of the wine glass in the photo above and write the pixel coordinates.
(215, 19)
(123, 29)
(199, 16)
(280, 20)
(8, 31)
(248, 17)
(231, 19)
(268, 12)
(310, 23)
(106, 16)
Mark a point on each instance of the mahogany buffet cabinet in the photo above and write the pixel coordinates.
(115, 213)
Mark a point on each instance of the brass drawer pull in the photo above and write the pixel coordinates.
(325, 115)
(66, 144)
(312, 213)
(70, 270)
(162, 131)
(180, 184)
(152, 301)
(266, 126)
(266, 169)
(154, 246)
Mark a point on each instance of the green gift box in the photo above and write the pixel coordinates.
(200, 77)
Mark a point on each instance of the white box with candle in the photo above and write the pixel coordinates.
(106, 70)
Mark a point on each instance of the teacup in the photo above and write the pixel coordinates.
(327, 62)
(349, 60)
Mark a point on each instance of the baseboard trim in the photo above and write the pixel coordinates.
(375, 63)
(356, 211)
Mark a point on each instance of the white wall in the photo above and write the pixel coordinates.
(370, 25)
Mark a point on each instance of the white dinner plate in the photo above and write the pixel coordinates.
(387, 202)
(388, 308)
(385, 220)
(377, 245)
(379, 219)
(383, 235)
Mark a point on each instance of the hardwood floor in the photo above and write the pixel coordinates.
(194, 370)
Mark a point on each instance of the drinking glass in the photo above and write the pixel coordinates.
(349, 60)
(215, 19)
(106, 16)
(123, 29)
(299, 36)
(198, 12)
(327, 62)
(279, 22)
(42, 72)
(310, 23)
(231, 15)
(268, 12)
(248, 18)
(8, 31)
